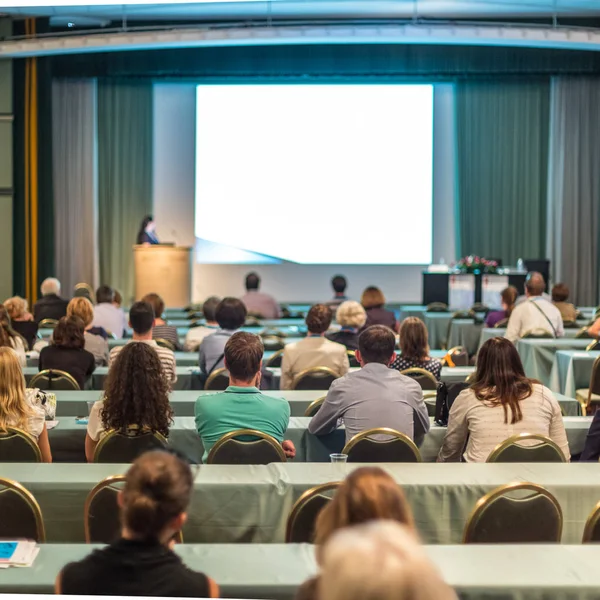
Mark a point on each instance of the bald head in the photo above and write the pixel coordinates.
(535, 284)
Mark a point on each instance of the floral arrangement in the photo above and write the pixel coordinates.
(476, 264)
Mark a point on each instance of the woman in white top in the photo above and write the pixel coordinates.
(10, 338)
(500, 403)
(20, 407)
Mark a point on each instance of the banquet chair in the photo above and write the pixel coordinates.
(397, 448)
(570, 325)
(252, 321)
(537, 334)
(461, 314)
(126, 446)
(480, 308)
(423, 377)
(316, 378)
(352, 358)
(101, 519)
(516, 513)
(21, 514)
(275, 360)
(501, 324)
(165, 344)
(592, 346)
(230, 450)
(457, 357)
(314, 406)
(300, 527)
(589, 397)
(218, 380)
(47, 323)
(18, 446)
(591, 531)
(437, 307)
(53, 379)
(583, 334)
(85, 290)
(512, 450)
(273, 342)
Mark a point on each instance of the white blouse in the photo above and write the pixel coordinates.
(35, 423)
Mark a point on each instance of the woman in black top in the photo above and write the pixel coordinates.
(147, 233)
(66, 352)
(142, 563)
(351, 316)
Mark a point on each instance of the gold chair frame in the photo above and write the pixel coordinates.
(590, 525)
(419, 371)
(501, 324)
(266, 339)
(522, 437)
(29, 498)
(89, 289)
(165, 344)
(539, 334)
(274, 356)
(29, 439)
(242, 432)
(351, 354)
(583, 334)
(47, 323)
(48, 372)
(592, 345)
(213, 376)
(503, 490)
(304, 498)
(113, 432)
(312, 371)
(313, 407)
(397, 435)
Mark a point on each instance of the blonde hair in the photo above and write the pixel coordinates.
(351, 314)
(414, 342)
(16, 307)
(381, 560)
(14, 411)
(82, 308)
(372, 297)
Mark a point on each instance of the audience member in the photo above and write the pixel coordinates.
(508, 297)
(536, 314)
(373, 302)
(95, 343)
(21, 319)
(381, 560)
(106, 314)
(50, 305)
(195, 335)
(135, 394)
(10, 338)
(560, 295)
(501, 402)
(117, 299)
(351, 316)
(161, 330)
(414, 346)
(242, 405)
(230, 315)
(314, 350)
(152, 506)
(141, 320)
(258, 304)
(339, 284)
(67, 353)
(374, 396)
(21, 407)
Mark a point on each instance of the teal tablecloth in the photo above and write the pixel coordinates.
(466, 333)
(571, 370)
(437, 328)
(233, 504)
(487, 333)
(492, 572)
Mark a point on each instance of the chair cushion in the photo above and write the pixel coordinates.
(582, 395)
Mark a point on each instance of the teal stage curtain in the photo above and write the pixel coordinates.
(124, 177)
(502, 134)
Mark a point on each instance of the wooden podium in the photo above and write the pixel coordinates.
(164, 270)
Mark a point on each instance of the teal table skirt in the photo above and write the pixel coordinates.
(275, 571)
(571, 370)
(487, 333)
(237, 504)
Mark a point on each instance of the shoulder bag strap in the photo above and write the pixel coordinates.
(545, 317)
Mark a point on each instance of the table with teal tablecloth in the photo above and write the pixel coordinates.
(465, 333)
(571, 371)
(275, 571)
(487, 333)
(250, 503)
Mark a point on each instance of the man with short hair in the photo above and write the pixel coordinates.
(50, 305)
(375, 395)
(242, 405)
(195, 335)
(535, 314)
(141, 320)
(257, 303)
(108, 316)
(339, 284)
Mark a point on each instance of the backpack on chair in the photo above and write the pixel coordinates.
(446, 395)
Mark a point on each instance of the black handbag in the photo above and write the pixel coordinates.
(445, 397)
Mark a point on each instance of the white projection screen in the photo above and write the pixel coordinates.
(314, 174)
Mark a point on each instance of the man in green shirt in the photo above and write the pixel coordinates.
(242, 405)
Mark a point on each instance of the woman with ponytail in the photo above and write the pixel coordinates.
(153, 507)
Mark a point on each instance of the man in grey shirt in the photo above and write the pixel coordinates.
(374, 396)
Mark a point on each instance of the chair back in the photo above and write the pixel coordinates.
(480, 308)
(594, 389)
(257, 448)
(275, 360)
(423, 377)
(457, 357)
(17, 446)
(272, 342)
(126, 446)
(591, 531)
(538, 334)
(47, 324)
(317, 378)
(583, 334)
(592, 346)
(300, 528)
(501, 324)
(53, 379)
(217, 380)
(512, 450)
(21, 514)
(570, 325)
(165, 344)
(461, 314)
(314, 406)
(253, 321)
(369, 447)
(85, 290)
(437, 307)
(516, 513)
(352, 358)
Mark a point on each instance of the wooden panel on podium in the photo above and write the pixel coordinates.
(164, 270)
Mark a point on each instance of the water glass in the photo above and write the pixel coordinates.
(338, 458)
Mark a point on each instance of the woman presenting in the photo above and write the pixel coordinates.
(147, 233)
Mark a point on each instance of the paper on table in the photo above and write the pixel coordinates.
(7, 549)
(23, 554)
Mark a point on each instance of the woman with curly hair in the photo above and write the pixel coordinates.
(135, 393)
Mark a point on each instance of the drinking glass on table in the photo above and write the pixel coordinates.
(338, 458)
